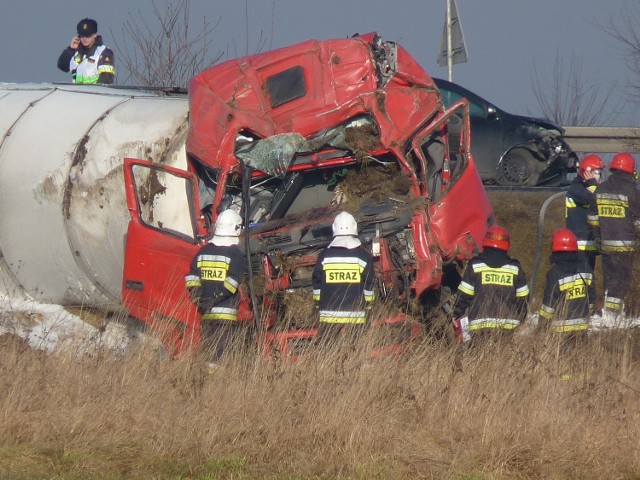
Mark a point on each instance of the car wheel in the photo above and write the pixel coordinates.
(518, 168)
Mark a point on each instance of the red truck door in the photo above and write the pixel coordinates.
(162, 238)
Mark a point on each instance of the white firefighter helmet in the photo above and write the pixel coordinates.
(345, 224)
(228, 227)
(345, 231)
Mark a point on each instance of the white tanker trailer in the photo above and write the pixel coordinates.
(63, 211)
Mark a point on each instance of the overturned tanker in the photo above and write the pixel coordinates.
(289, 138)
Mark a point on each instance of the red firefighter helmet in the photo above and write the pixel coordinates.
(564, 240)
(589, 163)
(497, 237)
(623, 161)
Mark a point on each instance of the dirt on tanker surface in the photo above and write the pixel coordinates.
(527, 409)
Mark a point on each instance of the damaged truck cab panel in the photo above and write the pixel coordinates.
(291, 137)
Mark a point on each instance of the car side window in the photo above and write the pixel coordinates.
(450, 97)
(476, 110)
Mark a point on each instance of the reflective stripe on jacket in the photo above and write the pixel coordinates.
(569, 292)
(493, 291)
(617, 213)
(217, 271)
(343, 284)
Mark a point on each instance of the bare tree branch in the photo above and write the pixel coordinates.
(627, 32)
(166, 53)
(570, 99)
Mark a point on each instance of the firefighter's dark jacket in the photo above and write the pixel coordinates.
(617, 213)
(105, 62)
(493, 291)
(343, 281)
(569, 292)
(215, 274)
(579, 200)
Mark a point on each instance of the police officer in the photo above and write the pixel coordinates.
(579, 198)
(343, 280)
(86, 57)
(214, 280)
(616, 216)
(492, 295)
(569, 291)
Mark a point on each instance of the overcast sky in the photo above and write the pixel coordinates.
(504, 38)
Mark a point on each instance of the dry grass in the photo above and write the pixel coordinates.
(516, 410)
(527, 409)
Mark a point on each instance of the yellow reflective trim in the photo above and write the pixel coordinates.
(351, 320)
(483, 267)
(232, 288)
(545, 314)
(616, 202)
(610, 248)
(464, 287)
(481, 325)
(342, 266)
(220, 316)
(570, 328)
(612, 305)
(212, 264)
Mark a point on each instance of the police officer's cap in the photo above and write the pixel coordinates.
(87, 27)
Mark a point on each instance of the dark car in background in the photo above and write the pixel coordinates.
(512, 150)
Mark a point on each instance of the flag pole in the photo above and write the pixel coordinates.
(449, 42)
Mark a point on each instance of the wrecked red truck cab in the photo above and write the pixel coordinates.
(289, 138)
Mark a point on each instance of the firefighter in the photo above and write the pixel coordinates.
(88, 60)
(579, 199)
(213, 283)
(492, 295)
(569, 291)
(616, 216)
(343, 280)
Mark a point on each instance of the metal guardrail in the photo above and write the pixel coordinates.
(520, 189)
(603, 139)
